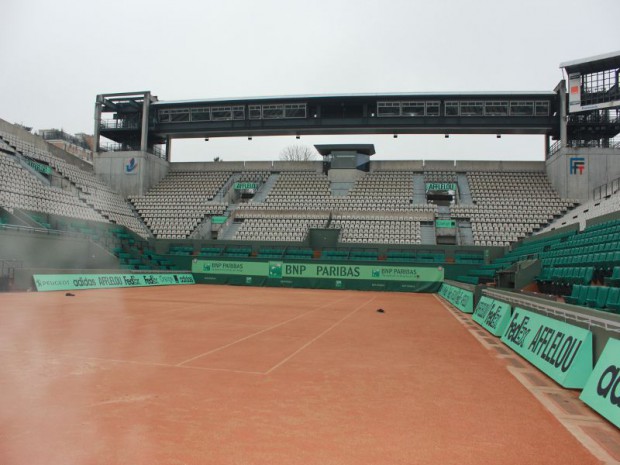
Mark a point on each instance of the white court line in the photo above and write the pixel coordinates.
(131, 362)
(259, 332)
(319, 336)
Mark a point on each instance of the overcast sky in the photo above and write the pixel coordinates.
(58, 55)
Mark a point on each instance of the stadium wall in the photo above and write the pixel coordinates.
(130, 178)
(38, 250)
(40, 143)
(576, 172)
(248, 166)
(456, 165)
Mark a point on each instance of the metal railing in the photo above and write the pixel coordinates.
(59, 134)
(119, 124)
(606, 189)
(550, 309)
(596, 143)
(157, 150)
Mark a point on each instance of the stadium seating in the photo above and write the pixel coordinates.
(180, 202)
(503, 210)
(587, 211)
(264, 226)
(82, 184)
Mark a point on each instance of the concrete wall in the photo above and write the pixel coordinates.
(37, 250)
(40, 143)
(601, 166)
(456, 165)
(248, 166)
(110, 168)
(340, 175)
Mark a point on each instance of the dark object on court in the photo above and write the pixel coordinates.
(68, 294)
(380, 310)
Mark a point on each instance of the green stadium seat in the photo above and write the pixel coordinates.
(576, 292)
(601, 297)
(591, 295)
(613, 299)
(614, 279)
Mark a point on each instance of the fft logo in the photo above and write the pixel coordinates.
(131, 166)
(577, 165)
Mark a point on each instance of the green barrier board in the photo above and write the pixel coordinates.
(602, 392)
(241, 186)
(68, 282)
(319, 275)
(450, 224)
(492, 315)
(40, 167)
(219, 219)
(560, 350)
(460, 298)
(440, 186)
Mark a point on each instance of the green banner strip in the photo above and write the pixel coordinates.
(282, 269)
(445, 224)
(219, 219)
(560, 350)
(40, 167)
(601, 391)
(319, 275)
(492, 315)
(68, 282)
(240, 186)
(460, 298)
(440, 186)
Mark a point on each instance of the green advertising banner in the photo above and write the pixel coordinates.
(560, 350)
(460, 298)
(68, 282)
(219, 219)
(320, 275)
(492, 315)
(440, 186)
(315, 270)
(601, 391)
(445, 224)
(241, 186)
(40, 167)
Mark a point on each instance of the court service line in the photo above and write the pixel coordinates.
(130, 362)
(217, 349)
(319, 336)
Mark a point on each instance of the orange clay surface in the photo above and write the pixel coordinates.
(238, 375)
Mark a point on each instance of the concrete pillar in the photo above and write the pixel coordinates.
(145, 122)
(168, 148)
(561, 89)
(547, 142)
(97, 131)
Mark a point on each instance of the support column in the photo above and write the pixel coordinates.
(561, 88)
(547, 141)
(145, 122)
(168, 148)
(97, 131)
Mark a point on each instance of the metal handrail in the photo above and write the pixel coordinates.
(590, 320)
(118, 124)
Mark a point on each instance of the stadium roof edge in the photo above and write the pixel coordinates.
(360, 95)
(594, 63)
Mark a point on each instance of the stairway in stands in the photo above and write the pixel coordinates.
(465, 234)
(427, 234)
(419, 189)
(265, 189)
(464, 192)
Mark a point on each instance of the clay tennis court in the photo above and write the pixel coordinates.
(227, 375)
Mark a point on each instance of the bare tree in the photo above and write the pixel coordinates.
(298, 153)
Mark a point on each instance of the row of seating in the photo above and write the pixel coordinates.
(599, 297)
